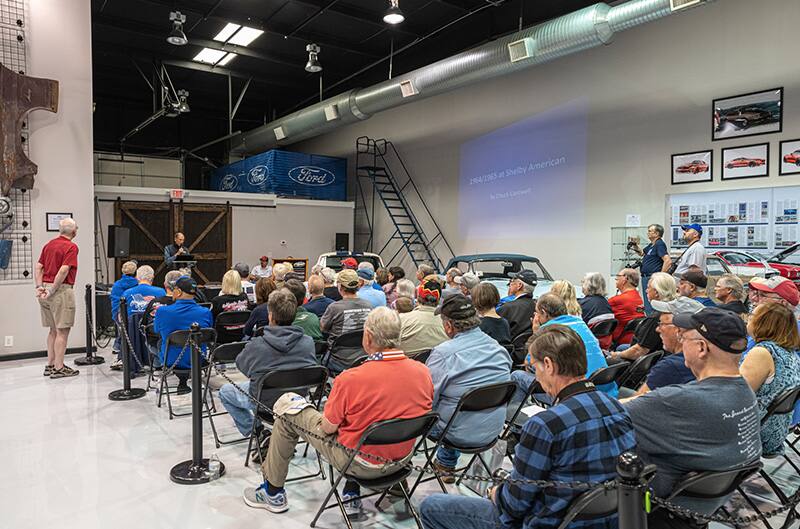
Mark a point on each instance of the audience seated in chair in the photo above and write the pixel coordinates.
(331, 291)
(485, 297)
(519, 311)
(729, 290)
(450, 286)
(231, 298)
(660, 287)
(396, 273)
(771, 367)
(348, 314)
(248, 287)
(422, 329)
(672, 368)
(318, 302)
(387, 386)
(139, 296)
(259, 317)
(279, 271)
(579, 438)
(128, 280)
(566, 291)
(282, 346)
(709, 424)
(408, 290)
(594, 305)
(470, 358)
(693, 285)
(366, 265)
(466, 282)
(170, 279)
(551, 310)
(627, 305)
(179, 317)
(304, 319)
(366, 290)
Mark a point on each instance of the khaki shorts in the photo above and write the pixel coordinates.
(58, 310)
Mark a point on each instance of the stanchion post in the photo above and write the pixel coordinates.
(195, 470)
(126, 393)
(630, 492)
(90, 359)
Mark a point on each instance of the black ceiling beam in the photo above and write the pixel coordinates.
(236, 18)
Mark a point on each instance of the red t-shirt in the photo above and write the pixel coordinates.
(393, 388)
(57, 253)
(626, 306)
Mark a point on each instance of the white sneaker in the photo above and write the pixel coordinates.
(117, 365)
(351, 507)
(258, 498)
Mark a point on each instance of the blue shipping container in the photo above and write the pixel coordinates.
(285, 173)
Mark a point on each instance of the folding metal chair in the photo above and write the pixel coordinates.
(607, 375)
(482, 398)
(207, 337)
(388, 432)
(230, 326)
(519, 348)
(421, 356)
(206, 304)
(289, 380)
(221, 355)
(344, 351)
(638, 370)
(596, 503)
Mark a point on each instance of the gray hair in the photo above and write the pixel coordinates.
(171, 277)
(67, 226)
(280, 270)
(282, 306)
(243, 269)
(316, 269)
(405, 288)
(366, 265)
(734, 283)
(426, 269)
(452, 273)
(632, 276)
(526, 288)
(467, 324)
(664, 284)
(328, 275)
(594, 284)
(145, 273)
(384, 325)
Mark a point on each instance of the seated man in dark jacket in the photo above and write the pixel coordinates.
(282, 346)
(519, 311)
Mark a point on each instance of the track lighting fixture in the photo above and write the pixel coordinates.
(394, 15)
(177, 37)
(313, 65)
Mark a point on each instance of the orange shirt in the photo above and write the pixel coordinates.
(626, 306)
(393, 388)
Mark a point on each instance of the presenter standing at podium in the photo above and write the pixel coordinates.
(171, 251)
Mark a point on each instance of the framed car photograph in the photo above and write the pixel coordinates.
(790, 157)
(747, 161)
(747, 115)
(690, 167)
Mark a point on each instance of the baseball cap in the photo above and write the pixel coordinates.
(186, 284)
(723, 328)
(456, 307)
(526, 276)
(429, 290)
(677, 306)
(350, 263)
(469, 280)
(695, 227)
(779, 285)
(347, 278)
(695, 277)
(366, 273)
(263, 258)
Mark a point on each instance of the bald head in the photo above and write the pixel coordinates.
(179, 239)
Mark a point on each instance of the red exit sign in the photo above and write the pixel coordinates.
(177, 194)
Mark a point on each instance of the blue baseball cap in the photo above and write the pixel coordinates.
(695, 227)
(366, 273)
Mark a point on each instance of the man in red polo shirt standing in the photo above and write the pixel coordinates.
(55, 276)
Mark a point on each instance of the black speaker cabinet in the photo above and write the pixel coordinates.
(342, 242)
(119, 241)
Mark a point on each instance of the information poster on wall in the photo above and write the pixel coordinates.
(763, 220)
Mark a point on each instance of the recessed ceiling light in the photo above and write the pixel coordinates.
(245, 36)
(209, 56)
(225, 60)
(227, 32)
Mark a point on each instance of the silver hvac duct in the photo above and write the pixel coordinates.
(587, 28)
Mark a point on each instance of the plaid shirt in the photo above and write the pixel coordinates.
(579, 439)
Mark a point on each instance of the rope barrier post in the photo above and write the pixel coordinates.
(126, 393)
(195, 470)
(630, 490)
(90, 359)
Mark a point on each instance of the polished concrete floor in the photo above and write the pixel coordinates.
(75, 459)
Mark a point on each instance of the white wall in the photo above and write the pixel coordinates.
(650, 95)
(58, 36)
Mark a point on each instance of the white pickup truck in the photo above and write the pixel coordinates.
(333, 260)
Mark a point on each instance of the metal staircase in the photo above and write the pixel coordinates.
(373, 165)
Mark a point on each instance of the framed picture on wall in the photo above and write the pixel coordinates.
(53, 220)
(748, 115)
(747, 161)
(790, 157)
(690, 167)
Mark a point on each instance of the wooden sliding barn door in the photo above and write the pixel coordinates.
(207, 228)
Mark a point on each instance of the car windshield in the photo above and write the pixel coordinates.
(334, 262)
(499, 269)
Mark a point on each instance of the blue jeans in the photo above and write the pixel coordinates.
(239, 406)
(446, 456)
(446, 511)
(647, 308)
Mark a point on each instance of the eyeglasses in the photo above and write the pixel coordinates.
(663, 325)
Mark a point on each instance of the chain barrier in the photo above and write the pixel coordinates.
(95, 339)
(794, 501)
(131, 350)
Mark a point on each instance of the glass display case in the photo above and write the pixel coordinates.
(623, 240)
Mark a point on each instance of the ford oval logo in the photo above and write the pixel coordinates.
(229, 183)
(309, 175)
(257, 175)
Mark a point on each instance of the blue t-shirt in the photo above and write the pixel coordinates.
(120, 286)
(139, 296)
(179, 317)
(668, 371)
(376, 297)
(706, 301)
(653, 258)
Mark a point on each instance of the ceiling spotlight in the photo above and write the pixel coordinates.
(183, 104)
(177, 37)
(393, 14)
(313, 65)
